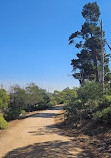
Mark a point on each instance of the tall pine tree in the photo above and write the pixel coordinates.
(89, 59)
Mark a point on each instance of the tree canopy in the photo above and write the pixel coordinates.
(88, 62)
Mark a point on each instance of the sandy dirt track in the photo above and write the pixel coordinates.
(38, 137)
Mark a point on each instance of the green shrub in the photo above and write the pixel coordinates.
(23, 113)
(73, 110)
(4, 100)
(76, 112)
(90, 93)
(52, 103)
(108, 91)
(3, 122)
(103, 116)
(103, 103)
(59, 100)
(12, 114)
(108, 97)
(42, 107)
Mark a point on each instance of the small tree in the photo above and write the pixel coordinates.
(17, 97)
(37, 98)
(4, 100)
(90, 93)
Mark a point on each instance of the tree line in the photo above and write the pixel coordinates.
(19, 101)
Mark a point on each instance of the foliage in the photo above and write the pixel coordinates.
(30, 98)
(58, 96)
(65, 95)
(90, 103)
(4, 100)
(73, 110)
(90, 93)
(17, 97)
(77, 112)
(88, 61)
(37, 98)
(12, 113)
(52, 103)
(41, 107)
(108, 90)
(108, 97)
(3, 122)
(103, 116)
(89, 100)
(23, 113)
(27, 99)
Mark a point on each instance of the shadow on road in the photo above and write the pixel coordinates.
(45, 115)
(51, 149)
(60, 107)
(52, 129)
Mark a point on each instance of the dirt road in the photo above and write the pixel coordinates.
(38, 137)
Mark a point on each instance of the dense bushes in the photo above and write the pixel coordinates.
(90, 93)
(23, 113)
(3, 122)
(86, 102)
(64, 96)
(12, 113)
(73, 110)
(52, 103)
(29, 99)
(108, 97)
(21, 100)
(103, 116)
(90, 103)
(4, 100)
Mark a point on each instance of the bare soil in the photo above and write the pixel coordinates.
(38, 136)
(89, 135)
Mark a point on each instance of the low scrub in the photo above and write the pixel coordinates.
(23, 113)
(41, 106)
(89, 104)
(3, 122)
(108, 97)
(76, 112)
(103, 116)
(90, 93)
(12, 114)
(52, 103)
(73, 111)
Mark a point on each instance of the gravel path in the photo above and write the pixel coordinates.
(38, 137)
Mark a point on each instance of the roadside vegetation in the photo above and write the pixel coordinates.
(93, 101)
(17, 102)
(90, 103)
(87, 109)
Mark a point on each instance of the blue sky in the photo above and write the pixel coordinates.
(34, 40)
